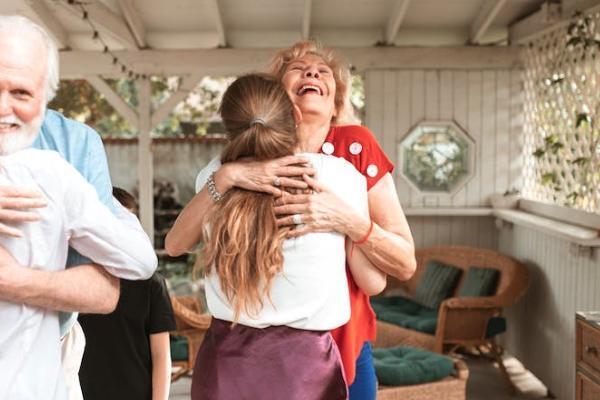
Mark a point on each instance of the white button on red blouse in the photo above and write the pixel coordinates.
(372, 170)
(355, 148)
(328, 148)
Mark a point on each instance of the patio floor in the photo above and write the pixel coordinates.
(484, 384)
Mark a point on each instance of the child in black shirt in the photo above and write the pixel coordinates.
(127, 354)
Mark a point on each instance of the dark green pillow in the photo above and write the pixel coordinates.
(179, 348)
(437, 284)
(479, 282)
(410, 366)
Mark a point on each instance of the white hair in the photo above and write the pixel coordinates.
(19, 23)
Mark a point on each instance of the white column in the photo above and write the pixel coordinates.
(145, 165)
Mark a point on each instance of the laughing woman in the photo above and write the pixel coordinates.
(318, 84)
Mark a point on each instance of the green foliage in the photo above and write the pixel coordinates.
(582, 43)
(77, 99)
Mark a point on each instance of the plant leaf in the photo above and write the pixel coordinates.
(539, 152)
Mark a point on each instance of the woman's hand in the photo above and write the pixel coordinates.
(264, 176)
(321, 211)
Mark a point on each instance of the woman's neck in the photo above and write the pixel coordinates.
(311, 135)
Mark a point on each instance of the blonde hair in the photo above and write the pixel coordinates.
(244, 241)
(341, 73)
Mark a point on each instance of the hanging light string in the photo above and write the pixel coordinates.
(96, 36)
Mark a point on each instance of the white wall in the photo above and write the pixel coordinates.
(541, 327)
(487, 104)
(176, 161)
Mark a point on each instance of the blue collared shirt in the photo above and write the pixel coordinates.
(82, 147)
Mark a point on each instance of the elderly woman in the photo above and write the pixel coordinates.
(318, 84)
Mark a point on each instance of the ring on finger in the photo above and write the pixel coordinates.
(297, 219)
(277, 181)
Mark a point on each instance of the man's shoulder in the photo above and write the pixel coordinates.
(61, 128)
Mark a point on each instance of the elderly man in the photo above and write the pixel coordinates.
(29, 297)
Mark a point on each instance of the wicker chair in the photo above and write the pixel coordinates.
(191, 324)
(451, 388)
(462, 321)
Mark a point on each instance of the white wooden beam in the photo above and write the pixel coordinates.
(49, 22)
(219, 22)
(145, 165)
(396, 18)
(104, 20)
(535, 24)
(484, 19)
(570, 6)
(306, 18)
(545, 20)
(188, 84)
(132, 17)
(113, 98)
(77, 64)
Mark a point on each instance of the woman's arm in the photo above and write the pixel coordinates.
(259, 176)
(161, 365)
(389, 246)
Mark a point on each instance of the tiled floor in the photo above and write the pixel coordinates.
(484, 384)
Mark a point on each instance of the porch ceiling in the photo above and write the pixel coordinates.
(209, 24)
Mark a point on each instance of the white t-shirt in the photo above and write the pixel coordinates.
(30, 361)
(311, 292)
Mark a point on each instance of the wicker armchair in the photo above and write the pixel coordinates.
(191, 324)
(461, 321)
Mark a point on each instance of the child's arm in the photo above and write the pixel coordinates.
(161, 365)
(161, 321)
(370, 279)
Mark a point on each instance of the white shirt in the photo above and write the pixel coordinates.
(311, 292)
(30, 361)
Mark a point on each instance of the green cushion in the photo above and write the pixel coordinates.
(436, 284)
(479, 282)
(406, 313)
(496, 326)
(179, 348)
(410, 366)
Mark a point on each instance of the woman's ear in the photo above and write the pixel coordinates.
(297, 115)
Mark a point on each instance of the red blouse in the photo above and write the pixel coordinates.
(357, 145)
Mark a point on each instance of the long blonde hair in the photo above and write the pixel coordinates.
(341, 73)
(244, 241)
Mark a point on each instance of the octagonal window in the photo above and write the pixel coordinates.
(437, 157)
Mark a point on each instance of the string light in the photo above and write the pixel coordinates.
(96, 36)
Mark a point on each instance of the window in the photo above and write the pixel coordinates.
(437, 157)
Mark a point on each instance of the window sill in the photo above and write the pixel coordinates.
(449, 212)
(585, 237)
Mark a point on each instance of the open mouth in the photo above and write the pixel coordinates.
(309, 89)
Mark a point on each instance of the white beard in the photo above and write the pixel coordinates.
(23, 137)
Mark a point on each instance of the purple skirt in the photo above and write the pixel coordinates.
(275, 363)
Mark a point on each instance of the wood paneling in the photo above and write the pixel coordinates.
(541, 327)
(486, 103)
(466, 231)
